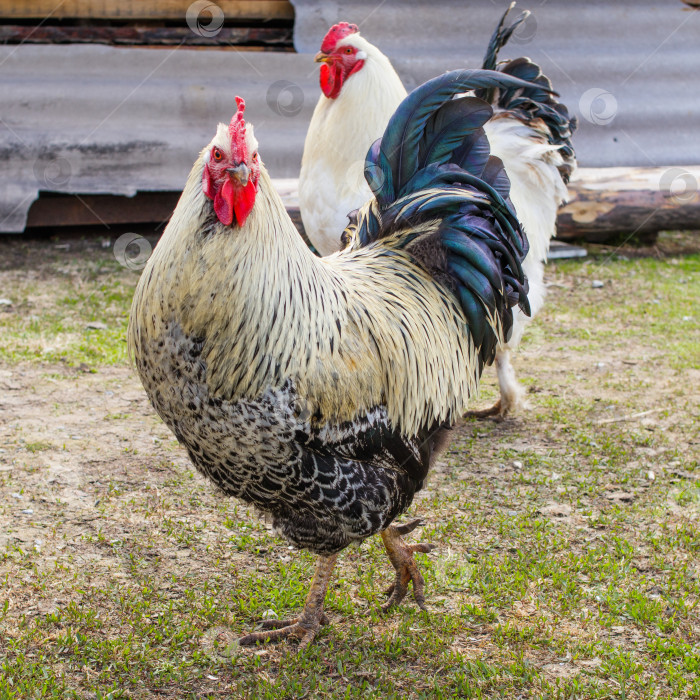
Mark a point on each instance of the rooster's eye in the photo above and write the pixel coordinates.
(348, 50)
(218, 155)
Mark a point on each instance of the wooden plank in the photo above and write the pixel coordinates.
(94, 210)
(57, 211)
(139, 10)
(279, 38)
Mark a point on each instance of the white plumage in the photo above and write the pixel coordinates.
(331, 181)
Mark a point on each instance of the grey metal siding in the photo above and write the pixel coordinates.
(94, 119)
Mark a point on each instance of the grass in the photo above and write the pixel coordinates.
(568, 561)
(51, 315)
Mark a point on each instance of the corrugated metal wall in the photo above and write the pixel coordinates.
(630, 69)
(96, 119)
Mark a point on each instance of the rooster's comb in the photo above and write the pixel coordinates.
(335, 34)
(236, 128)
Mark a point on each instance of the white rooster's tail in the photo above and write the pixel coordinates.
(531, 133)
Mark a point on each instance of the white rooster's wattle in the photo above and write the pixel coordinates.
(529, 131)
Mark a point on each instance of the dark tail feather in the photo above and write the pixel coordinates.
(536, 102)
(540, 103)
(500, 38)
(433, 164)
(412, 130)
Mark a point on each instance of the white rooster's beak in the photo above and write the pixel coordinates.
(241, 173)
(322, 57)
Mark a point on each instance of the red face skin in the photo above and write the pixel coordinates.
(339, 62)
(230, 178)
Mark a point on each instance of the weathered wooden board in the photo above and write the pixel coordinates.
(101, 210)
(95, 119)
(274, 38)
(138, 9)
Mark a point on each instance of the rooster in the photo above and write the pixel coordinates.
(320, 389)
(529, 131)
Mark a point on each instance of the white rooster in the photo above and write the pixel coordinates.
(529, 131)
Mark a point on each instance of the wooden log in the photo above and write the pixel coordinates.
(56, 210)
(138, 9)
(278, 38)
(605, 202)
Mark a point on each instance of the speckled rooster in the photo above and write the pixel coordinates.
(529, 131)
(320, 389)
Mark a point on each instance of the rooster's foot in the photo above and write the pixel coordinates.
(274, 630)
(401, 557)
(306, 626)
(275, 624)
(494, 411)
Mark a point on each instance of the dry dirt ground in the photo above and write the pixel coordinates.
(568, 560)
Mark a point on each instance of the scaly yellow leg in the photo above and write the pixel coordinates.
(401, 557)
(312, 616)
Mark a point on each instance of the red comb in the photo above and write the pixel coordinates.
(335, 34)
(236, 128)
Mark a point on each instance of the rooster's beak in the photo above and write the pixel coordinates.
(321, 57)
(241, 173)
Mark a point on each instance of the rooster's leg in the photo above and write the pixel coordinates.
(401, 557)
(494, 410)
(312, 616)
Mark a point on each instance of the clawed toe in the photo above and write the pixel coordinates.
(275, 624)
(273, 630)
(299, 630)
(401, 557)
(496, 412)
(410, 526)
(306, 626)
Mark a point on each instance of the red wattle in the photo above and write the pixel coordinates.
(224, 203)
(333, 76)
(244, 201)
(356, 67)
(331, 79)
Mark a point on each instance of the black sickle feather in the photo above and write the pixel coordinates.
(433, 163)
(537, 102)
(398, 152)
